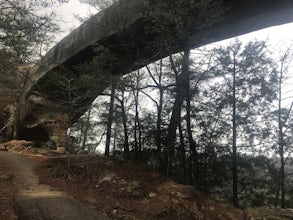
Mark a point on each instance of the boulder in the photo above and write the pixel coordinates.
(111, 177)
(6, 177)
(50, 144)
(44, 151)
(3, 148)
(82, 152)
(61, 150)
(17, 145)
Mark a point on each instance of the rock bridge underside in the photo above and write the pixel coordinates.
(114, 42)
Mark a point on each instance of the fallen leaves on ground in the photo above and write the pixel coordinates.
(7, 191)
(130, 190)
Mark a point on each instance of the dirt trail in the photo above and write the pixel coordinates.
(40, 202)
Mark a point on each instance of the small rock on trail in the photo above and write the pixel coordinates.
(6, 177)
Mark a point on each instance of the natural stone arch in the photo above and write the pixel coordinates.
(100, 38)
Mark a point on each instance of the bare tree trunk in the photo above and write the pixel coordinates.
(281, 144)
(159, 128)
(182, 152)
(110, 120)
(176, 112)
(87, 125)
(174, 122)
(192, 143)
(137, 129)
(159, 104)
(286, 61)
(80, 136)
(114, 143)
(159, 112)
(137, 125)
(234, 146)
(277, 192)
(139, 139)
(124, 121)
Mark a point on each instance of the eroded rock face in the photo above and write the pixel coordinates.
(37, 119)
(33, 118)
(7, 122)
(48, 130)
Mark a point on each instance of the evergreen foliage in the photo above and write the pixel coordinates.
(152, 92)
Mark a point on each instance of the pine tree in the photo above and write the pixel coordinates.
(249, 89)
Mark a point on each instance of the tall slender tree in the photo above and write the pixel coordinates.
(135, 89)
(244, 69)
(86, 129)
(110, 120)
(122, 105)
(284, 125)
(159, 75)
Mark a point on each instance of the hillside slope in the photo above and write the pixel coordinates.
(130, 190)
(46, 183)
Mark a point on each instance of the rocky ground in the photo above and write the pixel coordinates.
(93, 187)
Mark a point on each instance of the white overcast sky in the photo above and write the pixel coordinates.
(65, 14)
